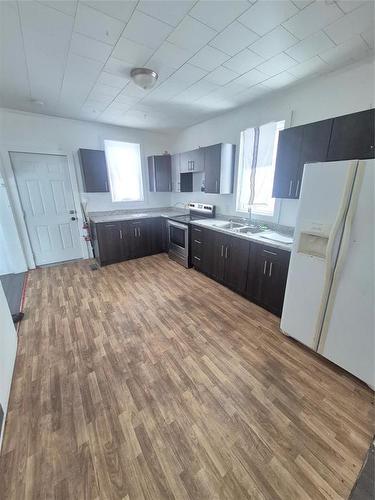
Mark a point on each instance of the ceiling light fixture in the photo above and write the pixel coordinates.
(144, 77)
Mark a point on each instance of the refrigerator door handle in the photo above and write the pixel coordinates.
(345, 240)
(330, 264)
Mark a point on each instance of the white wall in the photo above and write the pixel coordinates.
(28, 132)
(8, 343)
(335, 94)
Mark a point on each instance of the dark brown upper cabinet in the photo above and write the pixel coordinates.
(352, 137)
(219, 168)
(94, 171)
(287, 163)
(160, 173)
(192, 161)
(343, 138)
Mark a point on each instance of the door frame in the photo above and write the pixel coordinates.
(15, 201)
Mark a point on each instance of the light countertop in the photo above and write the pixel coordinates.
(264, 237)
(122, 215)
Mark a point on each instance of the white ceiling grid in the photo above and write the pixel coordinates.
(211, 55)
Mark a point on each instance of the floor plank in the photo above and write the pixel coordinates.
(145, 380)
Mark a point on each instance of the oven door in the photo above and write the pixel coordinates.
(178, 242)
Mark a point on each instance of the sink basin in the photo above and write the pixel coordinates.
(229, 225)
(250, 229)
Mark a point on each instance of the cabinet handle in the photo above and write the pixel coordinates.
(226, 252)
(198, 230)
(192, 165)
(222, 250)
(264, 267)
(297, 188)
(135, 232)
(270, 270)
(290, 188)
(216, 188)
(120, 234)
(197, 258)
(197, 241)
(106, 185)
(139, 232)
(271, 253)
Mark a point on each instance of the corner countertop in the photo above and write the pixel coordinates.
(261, 237)
(123, 215)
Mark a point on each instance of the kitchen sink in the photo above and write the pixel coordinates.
(229, 225)
(250, 229)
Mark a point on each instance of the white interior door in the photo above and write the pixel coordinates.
(348, 336)
(47, 200)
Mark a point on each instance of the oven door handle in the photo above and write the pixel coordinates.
(184, 227)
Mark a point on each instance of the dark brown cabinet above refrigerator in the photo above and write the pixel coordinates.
(347, 137)
(94, 171)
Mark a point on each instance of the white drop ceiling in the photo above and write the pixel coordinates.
(73, 58)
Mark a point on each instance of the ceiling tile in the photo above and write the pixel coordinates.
(356, 22)
(188, 74)
(170, 12)
(218, 14)
(97, 25)
(191, 34)
(94, 106)
(351, 50)
(274, 42)
(126, 99)
(174, 55)
(104, 90)
(133, 90)
(115, 81)
(263, 16)
(301, 4)
(121, 10)
(368, 37)
(166, 90)
(313, 18)
(277, 64)
(208, 58)
(13, 71)
(80, 76)
(131, 52)
(243, 61)
(250, 94)
(280, 80)
(195, 91)
(310, 47)
(117, 67)
(349, 5)
(88, 47)
(252, 77)
(66, 6)
(234, 38)
(312, 67)
(146, 30)
(221, 76)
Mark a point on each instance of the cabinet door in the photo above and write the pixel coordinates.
(156, 244)
(236, 256)
(287, 163)
(268, 270)
(217, 255)
(196, 158)
(352, 137)
(128, 240)
(314, 147)
(110, 242)
(160, 173)
(94, 170)
(185, 162)
(202, 249)
(212, 164)
(175, 165)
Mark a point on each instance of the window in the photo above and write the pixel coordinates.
(124, 170)
(256, 169)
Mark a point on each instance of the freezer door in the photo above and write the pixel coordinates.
(325, 194)
(348, 331)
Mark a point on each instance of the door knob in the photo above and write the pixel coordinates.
(74, 218)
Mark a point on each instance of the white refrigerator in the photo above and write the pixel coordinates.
(329, 297)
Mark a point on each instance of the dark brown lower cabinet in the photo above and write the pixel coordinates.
(117, 241)
(257, 271)
(267, 275)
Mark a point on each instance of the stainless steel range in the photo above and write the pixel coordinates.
(179, 231)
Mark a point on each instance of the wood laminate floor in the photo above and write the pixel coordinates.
(147, 380)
